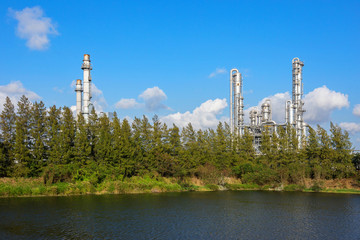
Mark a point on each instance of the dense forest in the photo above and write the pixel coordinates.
(36, 141)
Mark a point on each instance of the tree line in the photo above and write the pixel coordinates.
(36, 141)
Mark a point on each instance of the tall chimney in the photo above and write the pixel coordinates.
(78, 91)
(86, 66)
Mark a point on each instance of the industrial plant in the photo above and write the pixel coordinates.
(261, 119)
(83, 92)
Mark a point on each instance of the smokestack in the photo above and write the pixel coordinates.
(86, 67)
(297, 98)
(78, 91)
(236, 102)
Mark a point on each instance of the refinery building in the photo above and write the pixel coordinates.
(260, 119)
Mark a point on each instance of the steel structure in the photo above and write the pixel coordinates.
(295, 107)
(83, 92)
(78, 90)
(262, 119)
(236, 102)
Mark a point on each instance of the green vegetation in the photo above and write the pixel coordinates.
(243, 186)
(49, 152)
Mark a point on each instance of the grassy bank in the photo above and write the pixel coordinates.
(11, 187)
(16, 187)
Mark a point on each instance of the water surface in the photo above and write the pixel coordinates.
(191, 215)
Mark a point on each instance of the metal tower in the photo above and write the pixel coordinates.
(236, 103)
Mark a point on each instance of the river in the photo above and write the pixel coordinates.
(188, 215)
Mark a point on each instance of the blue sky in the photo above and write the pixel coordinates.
(173, 58)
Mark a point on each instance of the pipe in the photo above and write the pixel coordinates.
(297, 102)
(86, 66)
(78, 91)
(231, 99)
(266, 111)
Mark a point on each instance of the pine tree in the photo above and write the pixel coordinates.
(190, 152)
(246, 147)
(127, 150)
(159, 160)
(222, 156)
(22, 138)
(38, 135)
(92, 127)
(173, 148)
(67, 135)
(327, 168)
(145, 142)
(116, 141)
(3, 161)
(297, 164)
(284, 153)
(266, 148)
(103, 141)
(53, 142)
(139, 150)
(174, 141)
(341, 157)
(82, 148)
(7, 135)
(312, 151)
(233, 158)
(203, 151)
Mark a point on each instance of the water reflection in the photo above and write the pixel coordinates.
(199, 215)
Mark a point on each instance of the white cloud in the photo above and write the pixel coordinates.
(351, 127)
(152, 101)
(98, 99)
(278, 102)
(204, 116)
(217, 72)
(127, 103)
(356, 110)
(34, 27)
(321, 102)
(14, 91)
(59, 90)
(73, 84)
(73, 110)
(153, 98)
(129, 119)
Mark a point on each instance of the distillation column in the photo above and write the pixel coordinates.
(78, 91)
(236, 102)
(86, 66)
(266, 111)
(297, 111)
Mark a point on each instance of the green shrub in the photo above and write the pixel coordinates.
(243, 168)
(188, 187)
(209, 174)
(316, 187)
(247, 186)
(58, 173)
(61, 187)
(111, 187)
(267, 187)
(294, 187)
(212, 187)
(261, 177)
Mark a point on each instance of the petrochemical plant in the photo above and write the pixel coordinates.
(261, 119)
(83, 95)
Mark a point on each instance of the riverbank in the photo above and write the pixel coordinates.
(25, 187)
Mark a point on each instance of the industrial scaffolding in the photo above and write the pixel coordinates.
(261, 119)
